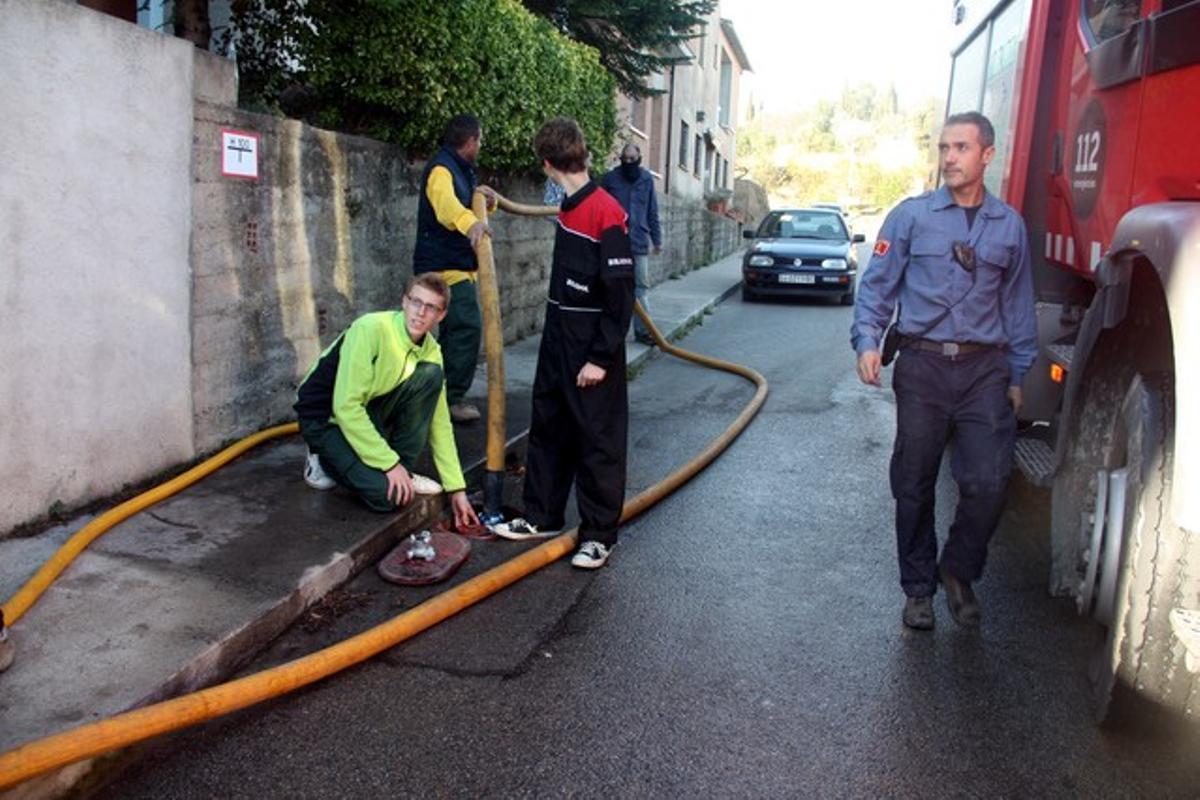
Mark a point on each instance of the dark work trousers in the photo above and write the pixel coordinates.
(576, 435)
(459, 336)
(402, 417)
(939, 399)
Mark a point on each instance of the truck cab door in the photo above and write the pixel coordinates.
(1102, 76)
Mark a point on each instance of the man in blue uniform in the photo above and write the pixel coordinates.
(957, 262)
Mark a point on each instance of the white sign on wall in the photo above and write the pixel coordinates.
(239, 154)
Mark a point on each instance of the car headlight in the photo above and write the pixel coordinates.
(834, 263)
(761, 261)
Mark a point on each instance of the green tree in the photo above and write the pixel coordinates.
(631, 36)
(861, 148)
(396, 70)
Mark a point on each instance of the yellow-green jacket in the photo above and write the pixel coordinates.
(369, 360)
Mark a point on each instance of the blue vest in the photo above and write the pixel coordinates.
(438, 247)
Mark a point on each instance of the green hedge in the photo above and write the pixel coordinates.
(397, 70)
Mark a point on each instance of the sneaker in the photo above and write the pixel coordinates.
(520, 529)
(591, 555)
(314, 475)
(8, 651)
(464, 412)
(423, 485)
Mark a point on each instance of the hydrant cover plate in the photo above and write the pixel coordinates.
(451, 550)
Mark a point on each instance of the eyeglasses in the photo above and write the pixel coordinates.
(964, 254)
(630, 160)
(421, 307)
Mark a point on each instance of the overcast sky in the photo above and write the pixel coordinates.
(806, 50)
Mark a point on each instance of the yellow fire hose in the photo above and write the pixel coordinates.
(130, 727)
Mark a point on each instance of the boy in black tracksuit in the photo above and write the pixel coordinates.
(580, 404)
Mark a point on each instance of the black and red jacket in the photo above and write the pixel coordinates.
(591, 295)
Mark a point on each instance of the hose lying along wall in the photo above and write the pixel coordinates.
(131, 727)
(28, 594)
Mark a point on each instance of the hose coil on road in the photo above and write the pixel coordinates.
(130, 727)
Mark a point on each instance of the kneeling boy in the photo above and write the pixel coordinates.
(372, 401)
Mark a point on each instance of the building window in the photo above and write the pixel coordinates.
(697, 155)
(726, 92)
(716, 174)
(683, 145)
(725, 175)
(700, 49)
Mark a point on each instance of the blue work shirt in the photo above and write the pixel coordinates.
(641, 204)
(913, 262)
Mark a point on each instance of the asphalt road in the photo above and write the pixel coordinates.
(745, 642)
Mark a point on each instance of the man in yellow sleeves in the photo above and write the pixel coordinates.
(447, 232)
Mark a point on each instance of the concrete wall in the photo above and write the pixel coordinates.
(95, 212)
(154, 310)
(284, 263)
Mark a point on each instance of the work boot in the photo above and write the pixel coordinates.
(464, 412)
(960, 599)
(8, 651)
(918, 613)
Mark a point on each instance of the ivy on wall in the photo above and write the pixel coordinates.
(397, 70)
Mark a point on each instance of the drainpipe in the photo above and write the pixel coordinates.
(670, 131)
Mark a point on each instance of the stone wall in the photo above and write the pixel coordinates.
(281, 265)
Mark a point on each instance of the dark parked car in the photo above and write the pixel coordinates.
(801, 251)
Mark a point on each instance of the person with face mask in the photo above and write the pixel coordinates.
(633, 187)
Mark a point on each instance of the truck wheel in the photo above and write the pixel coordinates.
(1073, 496)
(848, 298)
(747, 295)
(1139, 577)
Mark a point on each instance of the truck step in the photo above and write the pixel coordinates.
(1035, 458)
(1186, 625)
(1060, 354)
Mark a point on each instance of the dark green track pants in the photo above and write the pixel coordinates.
(401, 417)
(459, 337)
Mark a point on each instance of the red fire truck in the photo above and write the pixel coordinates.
(1096, 105)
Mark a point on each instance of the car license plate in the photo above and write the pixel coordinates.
(793, 277)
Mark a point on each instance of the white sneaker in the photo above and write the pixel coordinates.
(314, 476)
(520, 529)
(591, 555)
(464, 412)
(8, 651)
(423, 485)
